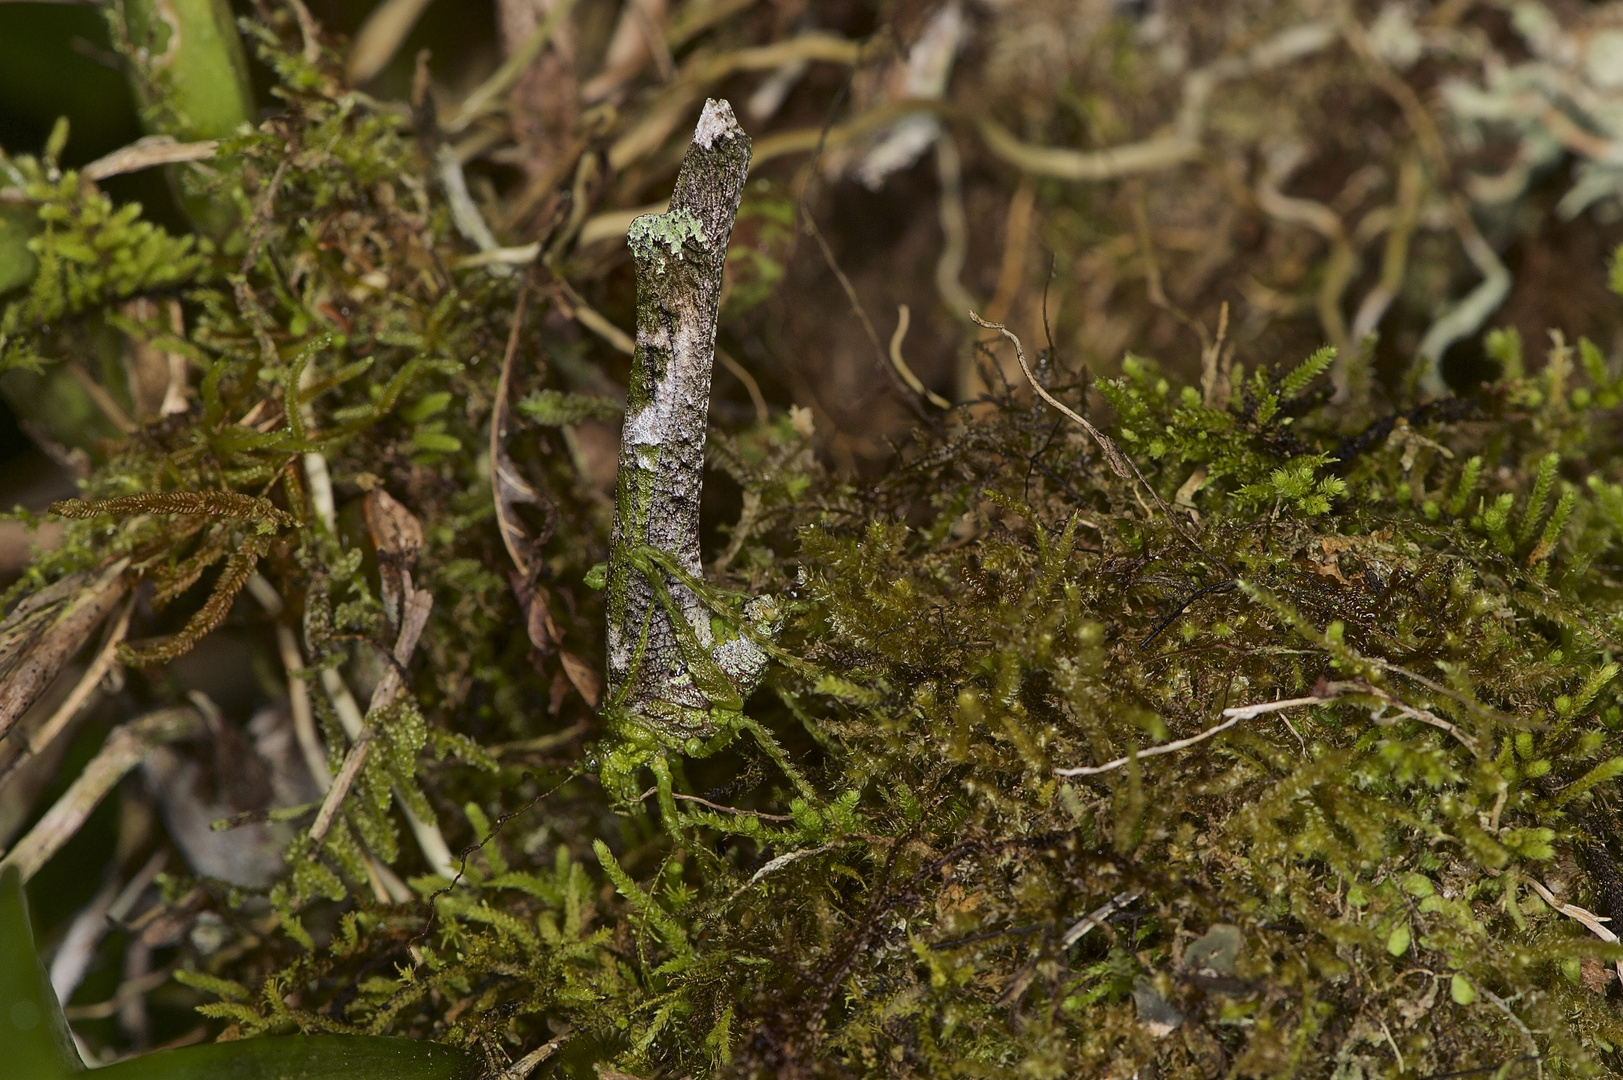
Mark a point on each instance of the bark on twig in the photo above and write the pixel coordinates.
(679, 257)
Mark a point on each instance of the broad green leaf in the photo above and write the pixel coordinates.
(35, 1043)
(34, 1039)
(301, 1057)
(1397, 942)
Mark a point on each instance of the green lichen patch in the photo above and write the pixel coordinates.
(671, 230)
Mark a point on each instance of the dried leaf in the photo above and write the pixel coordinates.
(583, 676)
(397, 537)
(537, 606)
(395, 533)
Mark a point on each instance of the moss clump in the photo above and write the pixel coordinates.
(1272, 762)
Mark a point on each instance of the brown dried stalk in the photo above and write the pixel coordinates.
(413, 618)
(24, 749)
(46, 630)
(208, 503)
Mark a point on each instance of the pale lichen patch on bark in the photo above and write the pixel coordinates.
(670, 230)
(715, 122)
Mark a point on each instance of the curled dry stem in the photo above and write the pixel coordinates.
(1589, 919)
(1230, 718)
(1181, 144)
(1464, 318)
(909, 392)
(904, 318)
(1343, 260)
(1120, 463)
(1405, 215)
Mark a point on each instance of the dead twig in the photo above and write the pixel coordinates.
(298, 695)
(73, 957)
(1425, 716)
(106, 660)
(124, 749)
(774, 865)
(718, 806)
(298, 688)
(574, 307)
(1097, 917)
(44, 632)
(1231, 717)
(524, 1066)
(146, 152)
(1589, 919)
(412, 621)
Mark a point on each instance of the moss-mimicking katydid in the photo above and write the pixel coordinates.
(681, 659)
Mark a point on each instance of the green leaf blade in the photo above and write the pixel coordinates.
(35, 1043)
(302, 1057)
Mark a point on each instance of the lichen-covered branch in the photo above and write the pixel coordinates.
(679, 256)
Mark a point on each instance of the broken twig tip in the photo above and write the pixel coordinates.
(716, 122)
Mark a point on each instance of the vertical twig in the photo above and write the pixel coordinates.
(679, 258)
